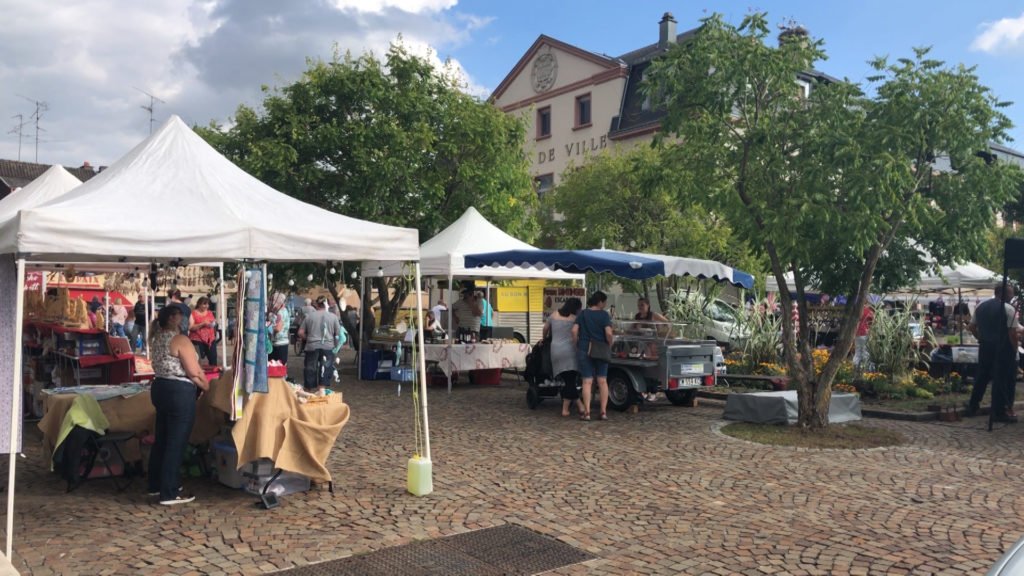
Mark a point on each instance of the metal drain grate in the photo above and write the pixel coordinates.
(506, 550)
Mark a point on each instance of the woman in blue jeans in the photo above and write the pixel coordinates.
(593, 325)
(179, 381)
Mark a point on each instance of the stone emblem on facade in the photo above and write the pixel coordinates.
(544, 73)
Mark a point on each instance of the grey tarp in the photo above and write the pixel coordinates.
(781, 407)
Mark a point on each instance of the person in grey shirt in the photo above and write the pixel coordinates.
(324, 337)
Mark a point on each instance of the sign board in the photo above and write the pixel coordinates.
(514, 298)
(34, 281)
(554, 297)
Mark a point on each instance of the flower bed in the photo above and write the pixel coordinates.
(917, 392)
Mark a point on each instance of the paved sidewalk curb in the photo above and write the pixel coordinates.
(875, 412)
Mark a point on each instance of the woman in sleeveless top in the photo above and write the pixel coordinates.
(593, 325)
(563, 351)
(179, 380)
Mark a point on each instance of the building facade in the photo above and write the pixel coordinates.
(578, 103)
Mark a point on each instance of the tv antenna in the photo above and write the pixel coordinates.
(36, 117)
(152, 102)
(18, 129)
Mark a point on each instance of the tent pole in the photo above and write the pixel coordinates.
(149, 315)
(451, 331)
(422, 360)
(362, 302)
(19, 314)
(106, 311)
(221, 312)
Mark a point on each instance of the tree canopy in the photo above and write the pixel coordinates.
(394, 141)
(636, 201)
(838, 184)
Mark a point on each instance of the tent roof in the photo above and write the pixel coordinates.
(632, 265)
(53, 183)
(173, 197)
(966, 276)
(443, 254)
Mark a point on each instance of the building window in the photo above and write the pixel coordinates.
(804, 89)
(543, 183)
(583, 110)
(544, 122)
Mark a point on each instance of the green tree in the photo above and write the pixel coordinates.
(394, 141)
(833, 185)
(635, 201)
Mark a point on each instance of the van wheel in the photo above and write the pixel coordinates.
(682, 397)
(621, 394)
(519, 337)
(533, 397)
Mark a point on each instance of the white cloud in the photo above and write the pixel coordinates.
(411, 6)
(1005, 34)
(203, 57)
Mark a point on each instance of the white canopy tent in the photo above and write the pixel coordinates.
(53, 183)
(173, 198)
(967, 276)
(443, 256)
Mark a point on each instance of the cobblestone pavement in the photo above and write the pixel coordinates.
(659, 492)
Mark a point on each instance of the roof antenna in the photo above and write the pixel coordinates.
(19, 130)
(36, 117)
(152, 101)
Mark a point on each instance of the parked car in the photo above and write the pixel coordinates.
(722, 324)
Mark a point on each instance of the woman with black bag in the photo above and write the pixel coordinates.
(558, 332)
(593, 335)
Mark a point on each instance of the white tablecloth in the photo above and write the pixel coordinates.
(463, 357)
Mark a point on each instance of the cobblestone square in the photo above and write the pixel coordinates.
(658, 492)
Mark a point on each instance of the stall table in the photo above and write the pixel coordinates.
(128, 409)
(481, 356)
(297, 437)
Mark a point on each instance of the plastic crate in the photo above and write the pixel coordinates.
(261, 467)
(486, 377)
(403, 374)
(368, 365)
(286, 483)
(226, 463)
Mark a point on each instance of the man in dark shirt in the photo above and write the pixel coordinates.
(996, 328)
(174, 297)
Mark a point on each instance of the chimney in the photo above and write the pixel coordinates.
(86, 165)
(666, 31)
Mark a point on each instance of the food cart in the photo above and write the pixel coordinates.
(646, 356)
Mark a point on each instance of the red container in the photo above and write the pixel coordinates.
(489, 377)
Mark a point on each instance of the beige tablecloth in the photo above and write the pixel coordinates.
(297, 437)
(483, 356)
(131, 414)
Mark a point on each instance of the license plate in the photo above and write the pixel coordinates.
(689, 382)
(691, 368)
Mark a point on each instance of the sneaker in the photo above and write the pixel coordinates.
(180, 499)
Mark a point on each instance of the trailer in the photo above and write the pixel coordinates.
(646, 357)
(650, 357)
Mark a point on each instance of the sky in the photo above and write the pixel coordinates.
(90, 61)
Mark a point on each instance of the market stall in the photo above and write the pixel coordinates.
(647, 358)
(458, 357)
(443, 257)
(241, 220)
